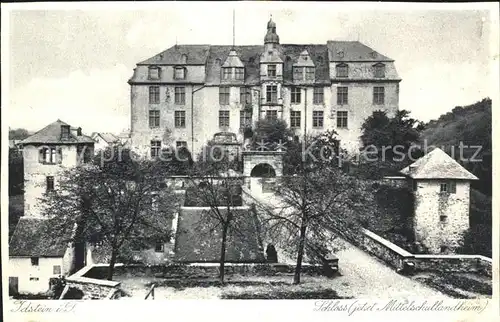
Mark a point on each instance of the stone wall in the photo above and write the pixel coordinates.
(205, 270)
(92, 288)
(390, 253)
(403, 260)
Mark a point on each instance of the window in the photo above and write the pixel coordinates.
(342, 70)
(295, 119)
(224, 95)
(56, 269)
(271, 94)
(50, 183)
(298, 73)
(295, 95)
(448, 187)
(239, 73)
(155, 148)
(154, 72)
(154, 118)
(342, 95)
(379, 70)
(179, 72)
(180, 144)
(159, 247)
(378, 95)
(51, 155)
(223, 118)
(310, 73)
(180, 119)
(414, 185)
(271, 70)
(180, 95)
(245, 118)
(444, 249)
(34, 279)
(318, 119)
(64, 132)
(226, 73)
(443, 218)
(271, 115)
(154, 94)
(342, 119)
(34, 261)
(184, 58)
(245, 96)
(318, 95)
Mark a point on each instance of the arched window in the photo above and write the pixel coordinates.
(218, 61)
(184, 59)
(379, 70)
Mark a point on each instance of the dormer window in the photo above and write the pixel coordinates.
(239, 73)
(154, 72)
(342, 70)
(271, 70)
(226, 73)
(310, 73)
(64, 132)
(180, 72)
(379, 70)
(298, 73)
(184, 59)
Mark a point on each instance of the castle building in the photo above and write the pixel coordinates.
(441, 188)
(186, 94)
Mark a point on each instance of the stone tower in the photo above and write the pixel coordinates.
(441, 187)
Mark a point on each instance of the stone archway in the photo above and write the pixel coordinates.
(263, 170)
(252, 159)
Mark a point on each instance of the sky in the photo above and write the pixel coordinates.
(74, 64)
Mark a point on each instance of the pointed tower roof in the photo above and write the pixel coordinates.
(437, 165)
(233, 60)
(271, 36)
(304, 59)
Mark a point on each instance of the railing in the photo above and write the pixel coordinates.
(151, 292)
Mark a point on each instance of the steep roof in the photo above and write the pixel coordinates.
(52, 134)
(353, 51)
(195, 55)
(108, 137)
(31, 238)
(196, 242)
(437, 165)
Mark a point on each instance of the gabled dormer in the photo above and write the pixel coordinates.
(232, 69)
(304, 69)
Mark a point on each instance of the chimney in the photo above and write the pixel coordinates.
(79, 131)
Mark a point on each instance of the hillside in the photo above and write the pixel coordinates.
(470, 125)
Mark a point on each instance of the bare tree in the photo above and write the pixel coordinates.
(116, 197)
(315, 204)
(215, 183)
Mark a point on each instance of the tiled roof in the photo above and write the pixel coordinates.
(31, 238)
(52, 134)
(353, 51)
(213, 56)
(249, 56)
(437, 165)
(196, 242)
(195, 54)
(108, 137)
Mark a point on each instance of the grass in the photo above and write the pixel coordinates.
(235, 287)
(458, 285)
